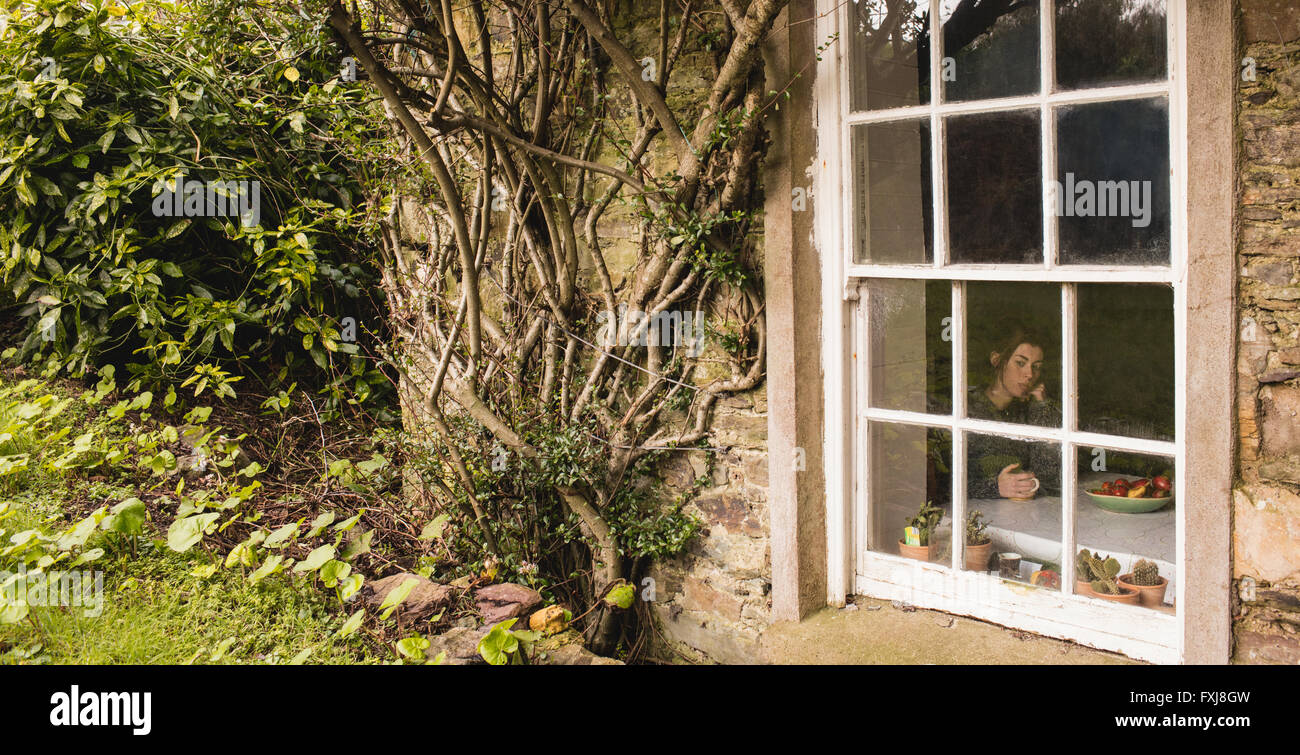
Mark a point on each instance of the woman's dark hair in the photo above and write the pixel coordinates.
(1016, 335)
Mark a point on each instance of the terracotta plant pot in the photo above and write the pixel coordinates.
(1082, 588)
(1151, 596)
(977, 556)
(1127, 595)
(918, 552)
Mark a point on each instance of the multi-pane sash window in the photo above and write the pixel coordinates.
(1010, 241)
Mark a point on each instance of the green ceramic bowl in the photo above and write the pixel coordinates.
(1125, 505)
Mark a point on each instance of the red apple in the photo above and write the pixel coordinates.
(1161, 482)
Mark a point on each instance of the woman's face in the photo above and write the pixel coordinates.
(1020, 374)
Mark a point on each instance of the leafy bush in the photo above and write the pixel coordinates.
(101, 109)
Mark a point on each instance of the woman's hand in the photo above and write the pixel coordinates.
(1013, 484)
(1039, 393)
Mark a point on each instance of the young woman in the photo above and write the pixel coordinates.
(1015, 393)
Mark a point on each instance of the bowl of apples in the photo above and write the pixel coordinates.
(1136, 496)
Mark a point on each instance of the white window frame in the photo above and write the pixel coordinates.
(851, 568)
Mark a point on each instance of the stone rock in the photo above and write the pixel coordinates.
(732, 512)
(549, 620)
(460, 645)
(1279, 426)
(496, 603)
(1272, 21)
(1274, 273)
(1258, 647)
(700, 596)
(424, 599)
(576, 655)
(1266, 539)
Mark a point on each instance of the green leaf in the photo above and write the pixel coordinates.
(81, 161)
(222, 647)
(349, 523)
(12, 613)
(319, 524)
(358, 546)
(434, 529)
(126, 517)
(396, 596)
(350, 586)
(187, 531)
(302, 657)
(334, 571)
(81, 531)
(413, 647)
(281, 535)
(497, 645)
(268, 567)
(315, 560)
(204, 571)
(352, 624)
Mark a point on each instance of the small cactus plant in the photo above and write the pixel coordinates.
(1146, 573)
(1099, 571)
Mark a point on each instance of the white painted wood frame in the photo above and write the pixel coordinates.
(852, 567)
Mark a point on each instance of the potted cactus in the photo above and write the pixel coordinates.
(978, 544)
(1082, 575)
(1102, 571)
(917, 536)
(1148, 582)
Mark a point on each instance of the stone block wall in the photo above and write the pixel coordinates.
(1266, 505)
(712, 601)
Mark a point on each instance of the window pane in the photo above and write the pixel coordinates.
(990, 49)
(1109, 42)
(1128, 523)
(1113, 183)
(1126, 360)
(911, 345)
(1013, 363)
(1016, 487)
(995, 205)
(889, 54)
(891, 207)
(910, 465)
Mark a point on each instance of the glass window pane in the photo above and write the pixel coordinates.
(891, 206)
(995, 205)
(990, 50)
(1126, 511)
(1109, 42)
(1112, 193)
(909, 466)
(1013, 347)
(911, 345)
(889, 54)
(1016, 487)
(1126, 360)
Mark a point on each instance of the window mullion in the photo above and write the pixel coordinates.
(958, 461)
(1047, 83)
(938, 151)
(1069, 454)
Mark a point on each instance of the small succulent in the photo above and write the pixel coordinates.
(975, 526)
(1146, 573)
(1099, 571)
(926, 521)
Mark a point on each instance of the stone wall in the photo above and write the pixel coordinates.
(711, 602)
(1266, 508)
